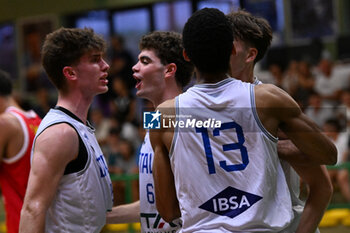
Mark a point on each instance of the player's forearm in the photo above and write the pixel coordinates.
(307, 137)
(32, 220)
(314, 209)
(289, 152)
(169, 212)
(127, 213)
(320, 193)
(166, 200)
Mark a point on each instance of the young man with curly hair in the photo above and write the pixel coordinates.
(161, 74)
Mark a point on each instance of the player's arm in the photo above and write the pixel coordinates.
(289, 152)
(165, 192)
(320, 193)
(3, 136)
(53, 150)
(316, 178)
(276, 108)
(127, 213)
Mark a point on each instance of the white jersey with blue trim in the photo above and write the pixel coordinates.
(151, 221)
(228, 178)
(83, 198)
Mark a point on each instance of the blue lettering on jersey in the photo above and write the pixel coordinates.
(103, 166)
(145, 163)
(230, 202)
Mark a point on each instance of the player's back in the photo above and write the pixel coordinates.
(14, 169)
(228, 178)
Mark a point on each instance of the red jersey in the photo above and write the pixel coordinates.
(14, 172)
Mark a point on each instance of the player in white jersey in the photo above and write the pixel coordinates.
(69, 189)
(161, 73)
(252, 37)
(228, 177)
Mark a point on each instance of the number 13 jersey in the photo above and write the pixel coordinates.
(227, 173)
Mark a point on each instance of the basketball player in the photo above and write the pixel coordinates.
(227, 177)
(161, 73)
(69, 189)
(18, 128)
(252, 37)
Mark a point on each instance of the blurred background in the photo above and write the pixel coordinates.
(309, 58)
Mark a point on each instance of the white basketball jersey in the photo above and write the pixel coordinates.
(151, 221)
(228, 178)
(84, 197)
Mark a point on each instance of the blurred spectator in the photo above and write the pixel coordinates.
(343, 110)
(34, 71)
(43, 102)
(328, 82)
(123, 102)
(318, 110)
(277, 74)
(121, 62)
(290, 79)
(8, 50)
(306, 83)
(340, 177)
(102, 126)
(121, 160)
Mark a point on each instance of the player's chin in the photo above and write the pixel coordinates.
(140, 93)
(103, 89)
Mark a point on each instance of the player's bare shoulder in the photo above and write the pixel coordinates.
(167, 107)
(274, 106)
(269, 95)
(58, 141)
(274, 98)
(10, 126)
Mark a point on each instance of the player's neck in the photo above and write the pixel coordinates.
(168, 94)
(247, 75)
(6, 102)
(210, 78)
(77, 106)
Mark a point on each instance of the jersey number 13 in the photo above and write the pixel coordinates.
(226, 147)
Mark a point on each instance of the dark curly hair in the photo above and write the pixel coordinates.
(208, 40)
(64, 47)
(5, 84)
(168, 48)
(252, 30)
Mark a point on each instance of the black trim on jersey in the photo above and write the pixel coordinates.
(79, 163)
(69, 113)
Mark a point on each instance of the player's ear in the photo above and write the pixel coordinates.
(185, 55)
(69, 72)
(170, 70)
(252, 53)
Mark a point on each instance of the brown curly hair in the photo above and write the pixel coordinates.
(168, 48)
